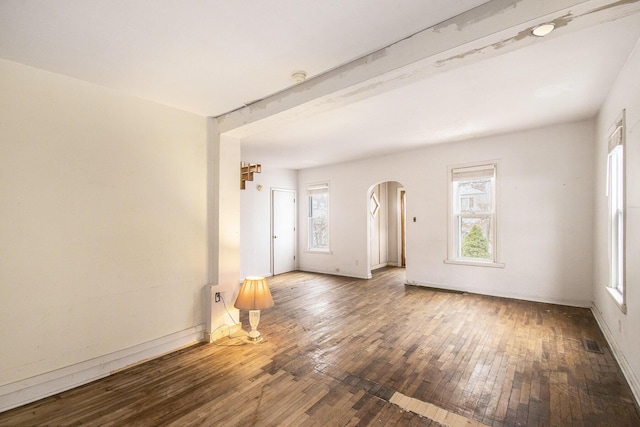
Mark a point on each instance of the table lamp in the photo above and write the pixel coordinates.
(254, 296)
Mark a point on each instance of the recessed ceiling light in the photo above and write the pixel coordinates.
(543, 29)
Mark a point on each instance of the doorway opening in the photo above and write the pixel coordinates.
(386, 213)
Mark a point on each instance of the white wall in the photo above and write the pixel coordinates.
(621, 329)
(545, 184)
(255, 218)
(103, 225)
(223, 256)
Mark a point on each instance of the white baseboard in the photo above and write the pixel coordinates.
(534, 298)
(628, 373)
(40, 386)
(334, 273)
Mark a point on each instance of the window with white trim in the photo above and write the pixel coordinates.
(472, 229)
(616, 205)
(318, 219)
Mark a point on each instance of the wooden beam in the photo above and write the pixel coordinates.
(492, 29)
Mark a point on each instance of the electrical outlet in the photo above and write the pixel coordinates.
(217, 297)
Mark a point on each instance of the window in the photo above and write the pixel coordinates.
(318, 217)
(615, 194)
(472, 230)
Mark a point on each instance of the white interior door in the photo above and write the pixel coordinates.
(283, 237)
(374, 227)
(379, 227)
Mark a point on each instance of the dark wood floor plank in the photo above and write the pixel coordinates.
(336, 351)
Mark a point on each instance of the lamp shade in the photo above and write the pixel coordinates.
(254, 294)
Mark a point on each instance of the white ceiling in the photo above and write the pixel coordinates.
(560, 80)
(213, 56)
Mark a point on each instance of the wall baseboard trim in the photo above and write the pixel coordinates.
(628, 373)
(333, 273)
(548, 300)
(38, 387)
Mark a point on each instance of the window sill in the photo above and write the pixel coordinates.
(618, 298)
(475, 263)
(319, 251)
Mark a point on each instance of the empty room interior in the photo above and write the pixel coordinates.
(431, 207)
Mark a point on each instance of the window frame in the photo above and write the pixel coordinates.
(453, 217)
(616, 213)
(314, 189)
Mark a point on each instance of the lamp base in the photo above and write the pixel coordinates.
(254, 319)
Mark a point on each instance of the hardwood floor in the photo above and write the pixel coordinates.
(341, 351)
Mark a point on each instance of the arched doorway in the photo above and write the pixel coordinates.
(386, 213)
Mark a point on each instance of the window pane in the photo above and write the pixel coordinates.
(474, 196)
(319, 235)
(475, 237)
(318, 217)
(318, 203)
(616, 217)
(619, 252)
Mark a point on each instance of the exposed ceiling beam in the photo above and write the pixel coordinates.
(489, 30)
